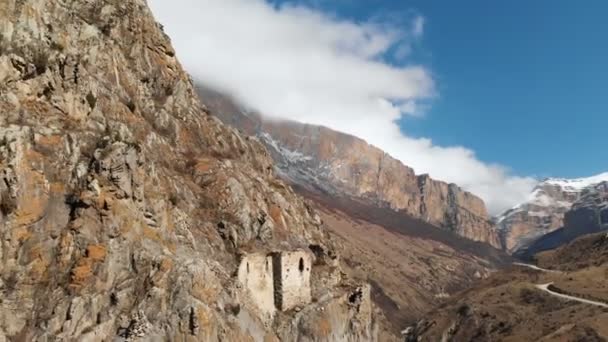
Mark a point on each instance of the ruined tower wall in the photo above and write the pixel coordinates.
(292, 279)
(255, 275)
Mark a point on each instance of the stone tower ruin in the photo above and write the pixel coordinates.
(291, 273)
(276, 281)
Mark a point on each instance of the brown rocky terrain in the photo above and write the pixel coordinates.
(587, 251)
(127, 211)
(343, 165)
(410, 270)
(585, 263)
(508, 306)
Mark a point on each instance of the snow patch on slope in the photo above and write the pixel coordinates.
(577, 184)
(539, 197)
(289, 155)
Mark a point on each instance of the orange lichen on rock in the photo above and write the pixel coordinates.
(276, 214)
(96, 252)
(324, 326)
(34, 194)
(81, 273)
(204, 165)
(152, 234)
(204, 318)
(21, 234)
(39, 263)
(84, 268)
(50, 140)
(202, 291)
(166, 265)
(57, 188)
(271, 338)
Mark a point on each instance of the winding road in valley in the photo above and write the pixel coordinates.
(534, 267)
(545, 287)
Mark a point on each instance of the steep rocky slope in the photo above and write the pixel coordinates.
(127, 212)
(544, 212)
(508, 306)
(412, 266)
(340, 164)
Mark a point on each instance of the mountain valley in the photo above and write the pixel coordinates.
(139, 204)
(390, 245)
(510, 305)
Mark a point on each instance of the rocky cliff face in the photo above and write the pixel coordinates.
(125, 208)
(588, 215)
(448, 206)
(337, 163)
(544, 212)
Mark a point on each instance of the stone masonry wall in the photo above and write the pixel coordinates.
(255, 274)
(292, 279)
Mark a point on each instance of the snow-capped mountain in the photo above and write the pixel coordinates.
(577, 184)
(544, 210)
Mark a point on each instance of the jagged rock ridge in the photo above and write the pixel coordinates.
(323, 159)
(125, 209)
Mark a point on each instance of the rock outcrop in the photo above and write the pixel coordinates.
(125, 207)
(544, 211)
(323, 159)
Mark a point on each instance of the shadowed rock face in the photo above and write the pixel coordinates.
(590, 213)
(124, 206)
(336, 163)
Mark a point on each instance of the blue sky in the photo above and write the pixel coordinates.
(522, 83)
(509, 91)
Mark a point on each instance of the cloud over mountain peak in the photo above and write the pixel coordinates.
(298, 63)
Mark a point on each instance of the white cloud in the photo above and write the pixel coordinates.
(297, 63)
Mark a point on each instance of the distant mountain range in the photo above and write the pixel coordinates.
(552, 208)
(321, 159)
(588, 215)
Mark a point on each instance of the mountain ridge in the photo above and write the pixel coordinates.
(320, 157)
(544, 211)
